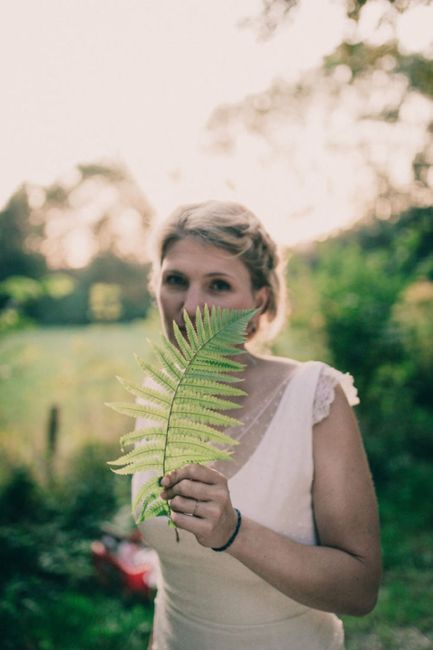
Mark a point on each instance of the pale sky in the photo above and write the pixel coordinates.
(136, 80)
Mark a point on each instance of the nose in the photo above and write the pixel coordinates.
(193, 298)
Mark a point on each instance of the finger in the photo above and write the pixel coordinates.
(191, 490)
(185, 506)
(192, 508)
(195, 525)
(193, 472)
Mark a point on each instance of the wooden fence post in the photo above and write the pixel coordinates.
(52, 435)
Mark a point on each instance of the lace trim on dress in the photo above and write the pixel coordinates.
(250, 433)
(325, 391)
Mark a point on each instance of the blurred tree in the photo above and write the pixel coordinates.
(357, 297)
(20, 294)
(95, 218)
(104, 301)
(130, 278)
(367, 279)
(414, 314)
(372, 290)
(368, 108)
(275, 12)
(93, 210)
(16, 232)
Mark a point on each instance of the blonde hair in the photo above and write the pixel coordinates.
(237, 230)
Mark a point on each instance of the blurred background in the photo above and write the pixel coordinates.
(317, 116)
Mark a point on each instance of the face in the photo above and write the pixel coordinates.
(194, 274)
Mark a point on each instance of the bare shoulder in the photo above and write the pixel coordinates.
(265, 375)
(337, 444)
(277, 366)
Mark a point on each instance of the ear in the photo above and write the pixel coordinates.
(262, 299)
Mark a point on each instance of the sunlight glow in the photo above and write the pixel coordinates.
(136, 82)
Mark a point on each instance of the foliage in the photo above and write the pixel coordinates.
(16, 233)
(357, 295)
(88, 621)
(413, 315)
(100, 206)
(357, 107)
(48, 594)
(43, 228)
(18, 294)
(104, 301)
(191, 384)
(402, 617)
(274, 12)
(107, 289)
(373, 290)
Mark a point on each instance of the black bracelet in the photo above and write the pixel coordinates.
(235, 533)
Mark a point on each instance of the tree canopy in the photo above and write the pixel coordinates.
(367, 108)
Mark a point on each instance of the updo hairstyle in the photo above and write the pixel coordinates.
(237, 230)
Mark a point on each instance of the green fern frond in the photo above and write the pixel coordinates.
(212, 387)
(138, 411)
(151, 463)
(201, 431)
(149, 432)
(192, 385)
(156, 374)
(144, 392)
(172, 349)
(153, 449)
(178, 427)
(209, 401)
(182, 343)
(197, 413)
(158, 509)
(148, 492)
(208, 375)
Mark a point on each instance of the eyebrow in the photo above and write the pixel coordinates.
(208, 275)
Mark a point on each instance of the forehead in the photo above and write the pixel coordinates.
(191, 254)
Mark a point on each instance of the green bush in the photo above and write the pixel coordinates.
(49, 597)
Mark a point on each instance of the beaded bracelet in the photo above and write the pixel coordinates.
(235, 533)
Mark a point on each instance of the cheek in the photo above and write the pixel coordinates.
(163, 304)
(243, 299)
(168, 306)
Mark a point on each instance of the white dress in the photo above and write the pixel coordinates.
(211, 601)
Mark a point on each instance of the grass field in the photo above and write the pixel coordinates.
(403, 617)
(75, 368)
(96, 622)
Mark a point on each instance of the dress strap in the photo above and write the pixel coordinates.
(325, 391)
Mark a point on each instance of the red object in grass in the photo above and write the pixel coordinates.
(124, 564)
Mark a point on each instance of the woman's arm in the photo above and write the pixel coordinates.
(341, 575)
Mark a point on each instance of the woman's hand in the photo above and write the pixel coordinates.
(200, 502)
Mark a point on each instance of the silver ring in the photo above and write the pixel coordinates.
(195, 509)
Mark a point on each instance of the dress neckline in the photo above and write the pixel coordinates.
(286, 384)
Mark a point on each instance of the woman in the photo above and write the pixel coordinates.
(294, 515)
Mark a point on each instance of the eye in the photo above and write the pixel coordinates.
(174, 280)
(220, 285)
